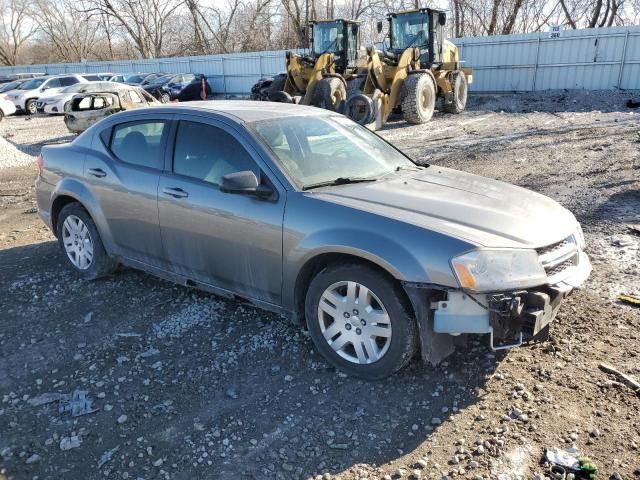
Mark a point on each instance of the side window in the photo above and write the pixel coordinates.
(188, 78)
(67, 81)
(139, 143)
(208, 153)
(53, 83)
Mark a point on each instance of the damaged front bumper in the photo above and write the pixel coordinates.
(509, 317)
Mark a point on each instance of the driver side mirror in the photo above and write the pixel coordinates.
(379, 26)
(354, 30)
(442, 18)
(244, 182)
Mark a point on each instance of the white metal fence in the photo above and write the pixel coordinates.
(594, 59)
(602, 58)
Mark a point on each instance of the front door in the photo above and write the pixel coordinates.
(232, 241)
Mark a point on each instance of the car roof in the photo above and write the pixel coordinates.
(246, 110)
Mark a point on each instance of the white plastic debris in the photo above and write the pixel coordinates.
(568, 458)
(67, 443)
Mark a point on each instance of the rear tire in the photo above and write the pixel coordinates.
(330, 93)
(456, 101)
(1, 115)
(418, 98)
(77, 236)
(370, 332)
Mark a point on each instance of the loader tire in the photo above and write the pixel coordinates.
(418, 98)
(360, 109)
(330, 93)
(456, 101)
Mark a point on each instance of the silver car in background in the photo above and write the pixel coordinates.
(305, 213)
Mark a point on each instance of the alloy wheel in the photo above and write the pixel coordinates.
(77, 242)
(354, 322)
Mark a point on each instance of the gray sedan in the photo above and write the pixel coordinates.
(303, 212)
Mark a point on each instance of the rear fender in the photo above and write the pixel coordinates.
(74, 188)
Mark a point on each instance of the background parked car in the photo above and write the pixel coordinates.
(19, 76)
(135, 78)
(88, 108)
(182, 86)
(6, 106)
(58, 103)
(6, 87)
(26, 95)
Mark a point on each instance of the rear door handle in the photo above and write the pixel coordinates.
(175, 192)
(97, 172)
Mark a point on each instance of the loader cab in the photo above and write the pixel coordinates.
(339, 37)
(422, 29)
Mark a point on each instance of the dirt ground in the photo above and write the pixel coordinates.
(190, 386)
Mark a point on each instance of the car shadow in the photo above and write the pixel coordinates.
(215, 386)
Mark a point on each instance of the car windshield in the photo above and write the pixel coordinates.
(409, 30)
(315, 150)
(10, 86)
(327, 37)
(32, 84)
(133, 78)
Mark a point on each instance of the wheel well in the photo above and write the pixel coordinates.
(58, 204)
(318, 263)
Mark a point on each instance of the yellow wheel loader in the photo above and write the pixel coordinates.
(319, 78)
(418, 68)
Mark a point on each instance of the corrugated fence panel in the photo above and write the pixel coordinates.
(600, 58)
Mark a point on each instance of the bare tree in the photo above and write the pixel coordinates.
(72, 34)
(16, 27)
(145, 21)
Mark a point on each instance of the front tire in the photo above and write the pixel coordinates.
(165, 97)
(80, 243)
(30, 107)
(360, 321)
(419, 98)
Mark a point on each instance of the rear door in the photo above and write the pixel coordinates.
(232, 241)
(122, 173)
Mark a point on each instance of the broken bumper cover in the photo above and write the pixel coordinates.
(509, 317)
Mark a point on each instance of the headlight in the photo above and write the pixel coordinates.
(580, 236)
(493, 270)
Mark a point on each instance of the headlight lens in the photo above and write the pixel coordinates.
(489, 270)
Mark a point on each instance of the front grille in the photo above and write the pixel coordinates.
(553, 247)
(558, 257)
(562, 266)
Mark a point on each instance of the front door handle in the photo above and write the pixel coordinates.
(97, 172)
(175, 192)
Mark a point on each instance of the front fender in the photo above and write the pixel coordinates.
(407, 252)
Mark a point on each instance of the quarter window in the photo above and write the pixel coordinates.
(208, 153)
(139, 143)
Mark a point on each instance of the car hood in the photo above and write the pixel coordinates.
(472, 208)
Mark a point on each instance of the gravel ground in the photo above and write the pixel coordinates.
(190, 386)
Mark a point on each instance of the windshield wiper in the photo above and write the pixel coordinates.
(339, 181)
